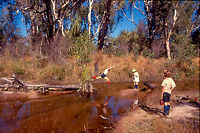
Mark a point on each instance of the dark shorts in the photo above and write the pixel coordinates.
(136, 86)
(103, 75)
(166, 97)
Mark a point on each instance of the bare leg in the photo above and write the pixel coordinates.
(98, 77)
(94, 77)
(106, 78)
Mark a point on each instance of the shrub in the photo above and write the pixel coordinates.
(82, 47)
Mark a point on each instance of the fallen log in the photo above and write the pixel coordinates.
(16, 83)
(13, 84)
(55, 87)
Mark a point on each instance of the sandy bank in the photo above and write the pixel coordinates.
(183, 117)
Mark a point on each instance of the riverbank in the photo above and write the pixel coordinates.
(111, 103)
(183, 117)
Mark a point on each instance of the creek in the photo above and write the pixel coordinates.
(69, 113)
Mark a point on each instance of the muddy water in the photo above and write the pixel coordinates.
(67, 113)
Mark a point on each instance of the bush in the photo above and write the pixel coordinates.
(82, 47)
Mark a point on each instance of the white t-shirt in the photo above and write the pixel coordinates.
(168, 83)
(106, 71)
(136, 77)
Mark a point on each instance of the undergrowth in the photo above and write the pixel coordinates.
(69, 71)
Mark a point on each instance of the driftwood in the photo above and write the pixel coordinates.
(15, 84)
(56, 87)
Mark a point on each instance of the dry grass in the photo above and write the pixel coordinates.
(34, 70)
(139, 121)
(159, 125)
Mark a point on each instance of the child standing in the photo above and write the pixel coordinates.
(168, 85)
(135, 78)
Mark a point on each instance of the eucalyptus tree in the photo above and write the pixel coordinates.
(196, 27)
(8, 30)
(48, 14)
(152, 12)
(105, 17)
(46, 20)
(187, 23)
(162, 17)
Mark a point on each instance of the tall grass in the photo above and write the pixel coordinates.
(68, 71)
(158, 125)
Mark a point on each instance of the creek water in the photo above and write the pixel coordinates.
(68, 113)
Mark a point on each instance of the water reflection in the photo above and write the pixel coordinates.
(65, 113)
(9, 121)
(118, 106)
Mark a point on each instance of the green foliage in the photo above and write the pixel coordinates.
(81, 43)
(82, 47)
(136, 50)
(84, 75)
(126, 43)
(147, 53)
(76, 28)
(86, 86)
(182, 48)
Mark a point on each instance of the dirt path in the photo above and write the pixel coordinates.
(183, 117)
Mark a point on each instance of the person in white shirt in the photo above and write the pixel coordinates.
(168, 85)
(104, 75)
(135, 78)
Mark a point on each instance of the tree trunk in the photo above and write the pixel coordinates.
(170, 32)
(89, 17)
(49, 19)
(168, 50)
(151, 36)
(104, 29)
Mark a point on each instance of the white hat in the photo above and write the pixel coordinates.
(133, 70)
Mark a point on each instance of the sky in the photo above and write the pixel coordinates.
(124, 24)
(21, 25)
